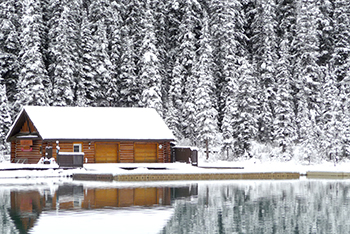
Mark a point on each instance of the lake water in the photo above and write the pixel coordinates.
(293, 206)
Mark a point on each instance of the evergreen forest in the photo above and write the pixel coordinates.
(233, 73)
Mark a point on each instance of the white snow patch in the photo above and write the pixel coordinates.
(98, 123)
(133, 221)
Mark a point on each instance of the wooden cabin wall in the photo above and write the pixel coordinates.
(126, 152)
(164, 153)
(26, 128)
(31, 154)
(88, 148)
(89, 151)
(13, 150)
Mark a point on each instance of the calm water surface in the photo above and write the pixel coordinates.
(294, 206)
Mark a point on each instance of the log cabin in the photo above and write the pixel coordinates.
(102, 134)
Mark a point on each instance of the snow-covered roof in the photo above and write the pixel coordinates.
(101, 123)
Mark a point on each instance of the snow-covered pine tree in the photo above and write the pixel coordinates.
(9, 46)
(149, 63)
(175, 101)
(86, 85)
(64, 51)
(332, 119)
(245, 121)
(116, 43)
(344, 98)
(226, 24)
(34, 86)
(206, 113)
(264, 48)
(5, 119)
(284, 124)
(308, 75)
(100, 17)
(341, 39)
(175, 70)
(128, 82)
(161, 25)
(187, 53)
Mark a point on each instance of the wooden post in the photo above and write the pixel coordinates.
(207, 147)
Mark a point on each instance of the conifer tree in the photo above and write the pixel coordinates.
(227, 22)
(245, 121)
(344, 99)
(9, 46)
(5, 119)
(308, 75)
(264, 49)
(187, 54)
(332, 119)
(33, 87)
(64, 69)
(100, 18)
(340, 53)
(206, 117)
(86, 85)
(284, 123)
(128, 82)
(149, 64)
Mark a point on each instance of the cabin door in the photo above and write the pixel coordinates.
(106, 152)
(145, 152)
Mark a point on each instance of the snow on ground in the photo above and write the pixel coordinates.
(249, 166)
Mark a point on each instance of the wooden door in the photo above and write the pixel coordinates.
(145, 152)
(106, 152)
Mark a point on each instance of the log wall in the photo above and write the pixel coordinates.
(126, 150)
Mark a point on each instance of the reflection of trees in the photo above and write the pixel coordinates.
(265, 207)
(6, 224)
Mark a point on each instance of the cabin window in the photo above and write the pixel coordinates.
(77, 147)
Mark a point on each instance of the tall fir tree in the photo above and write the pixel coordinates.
(308, 75)
(340, 53)
(64, 68)
(100, 18)
(5, 119)
(332, 119)
(206, 113)
(9, 46)
(149, 64)
(86, 85)
(129, 82)
(227, 26)
(245, 114)
(284, 123)
(34, 86)
(264, 49)
(187, 53)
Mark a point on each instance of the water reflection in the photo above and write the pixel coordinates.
(303, 206)
(265, 207)
(27, 205)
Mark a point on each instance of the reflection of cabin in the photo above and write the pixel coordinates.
(27, 206)
(104, 135)
(25, 209)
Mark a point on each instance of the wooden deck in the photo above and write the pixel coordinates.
(186, 176)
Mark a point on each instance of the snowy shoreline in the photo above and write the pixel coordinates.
(33, 171)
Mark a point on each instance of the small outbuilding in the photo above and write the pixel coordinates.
(102, 134)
